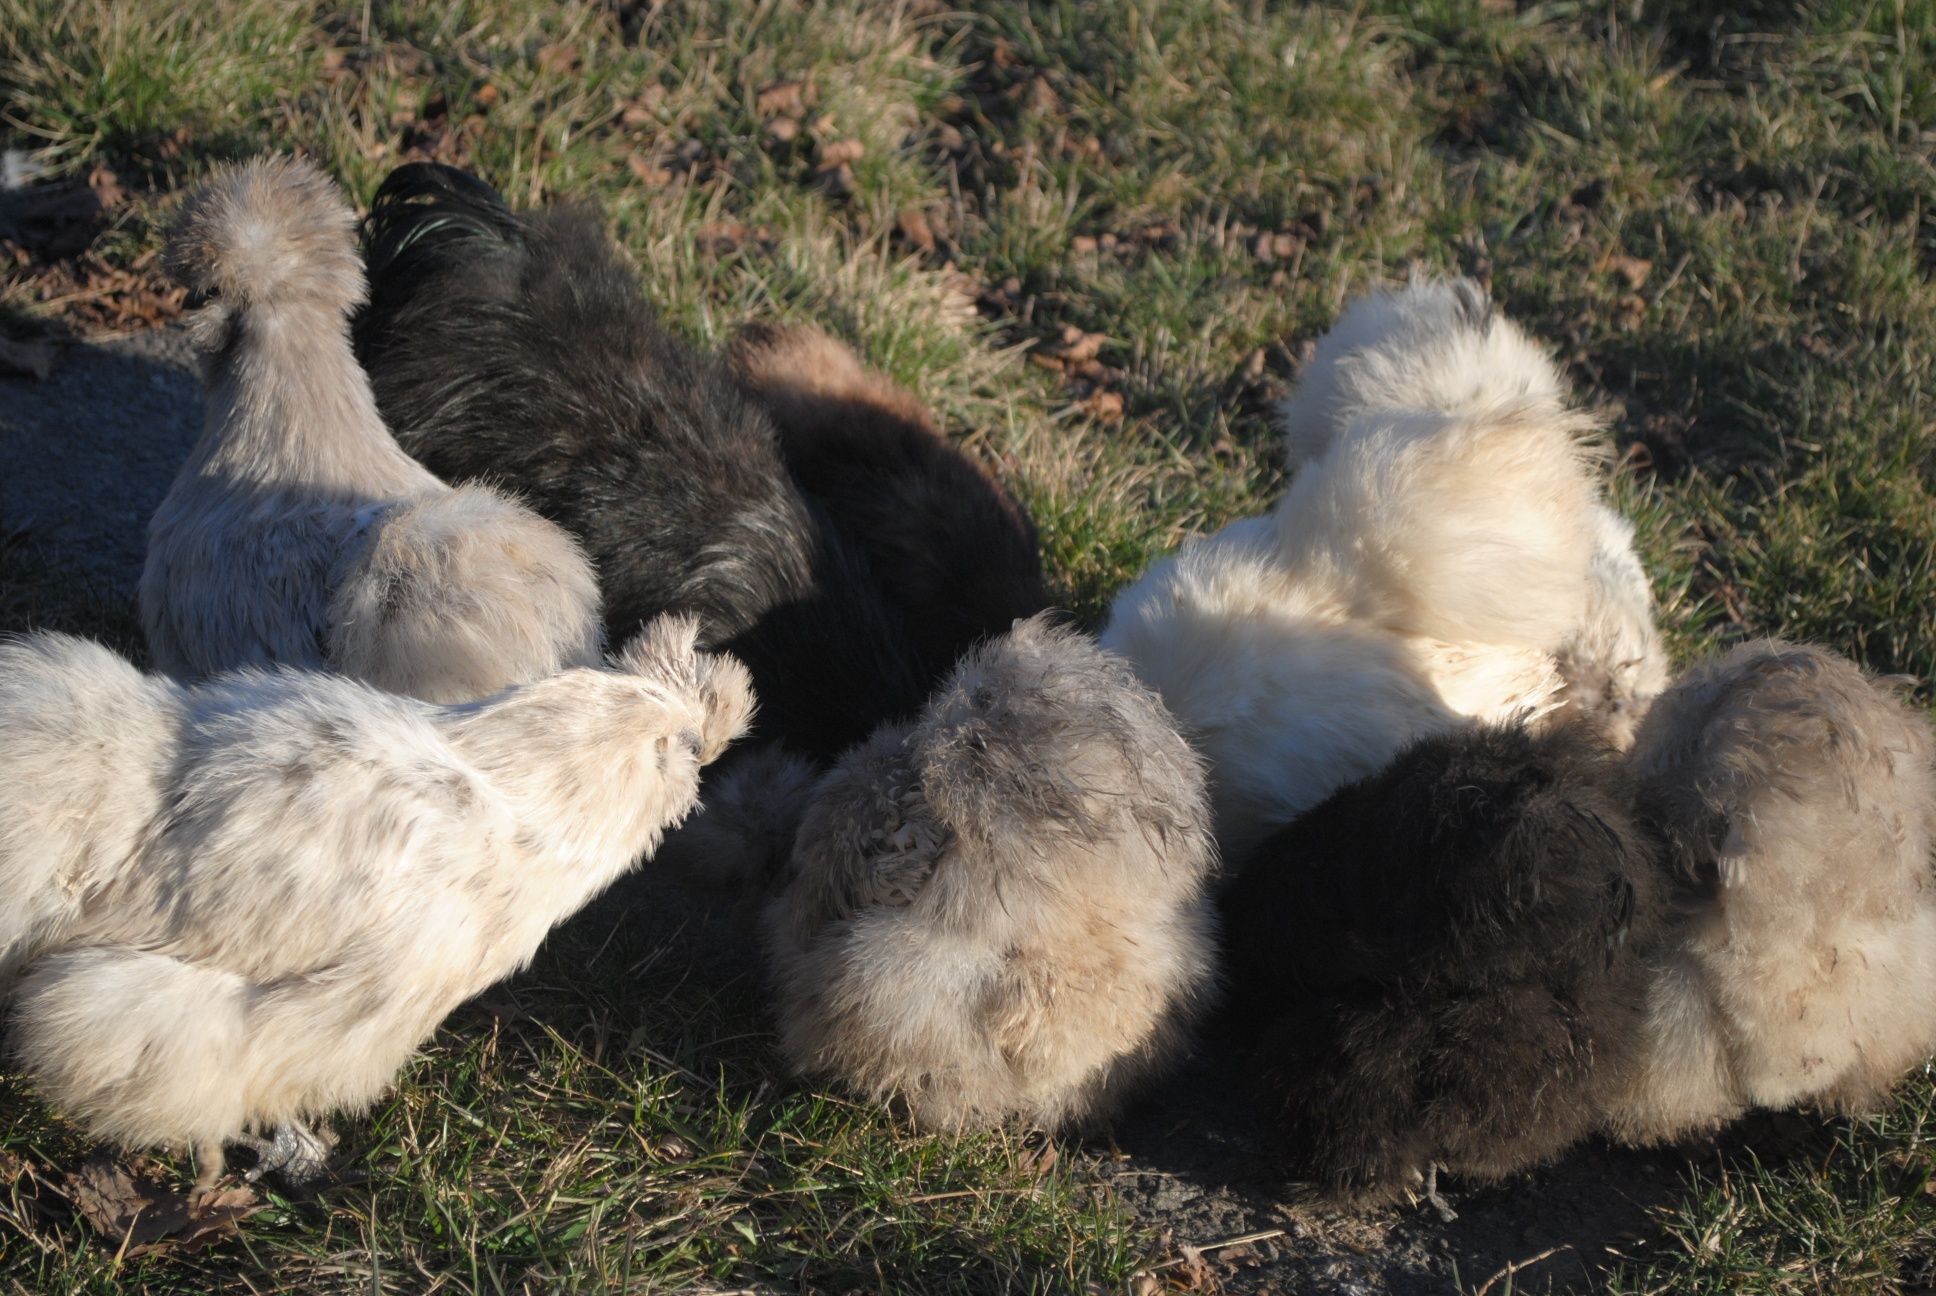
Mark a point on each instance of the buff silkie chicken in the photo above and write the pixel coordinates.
(242, 904)
(298, 533)
(998, 911)
(1798, 796)
(1442, 966)
(1441, 344)
(1419, 575)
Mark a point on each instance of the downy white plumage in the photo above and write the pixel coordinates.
(243, 904)
(1421, 573)
(1440, 344)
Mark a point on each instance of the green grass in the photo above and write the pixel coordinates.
(1114, 166)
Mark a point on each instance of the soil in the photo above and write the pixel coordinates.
(87, 453)
(1193, 1161)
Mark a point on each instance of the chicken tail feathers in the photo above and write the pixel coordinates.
(140, 1047)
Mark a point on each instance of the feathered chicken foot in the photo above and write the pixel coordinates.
(294, 1154)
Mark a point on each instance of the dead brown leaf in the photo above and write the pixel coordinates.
(1039, 97)
(106, 188)
(949, 139)
(915, 227)
(783, 99)
(1075, 346)
(1633, 269)
(558, 57)
(1163, 235)
(1194, 1273)
(1003, 299)
(722, 238)
(175, 144)
(647, 170)
(837, 180)
(1103, 406)
(142, 1215)
(841, 152)
(1038, 1159)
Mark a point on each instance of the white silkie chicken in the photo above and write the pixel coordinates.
(1420, 575)
(240, 905)
(1441, 344)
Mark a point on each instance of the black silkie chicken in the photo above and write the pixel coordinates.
(1443, 965)
(957, 557)
(517, 347)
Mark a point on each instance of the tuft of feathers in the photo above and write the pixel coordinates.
(997, 911)
(1440, 966)
(272, 234)
(738, 841)
(298, 533)
(1420, 575)
(467, 579)
(1442, 345)
(1436, 344)
(245, 903)
(1799, 798)
(1614, 663)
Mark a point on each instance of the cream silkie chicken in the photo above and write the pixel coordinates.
(1440, 344)
(239, 905)
(298, 532)
(1420, 575)
(998, 910)
(1798, 797)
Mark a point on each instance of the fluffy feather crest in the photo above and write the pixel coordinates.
(270, 233)
(1437, 344)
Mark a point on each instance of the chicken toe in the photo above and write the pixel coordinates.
(294, 1154)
